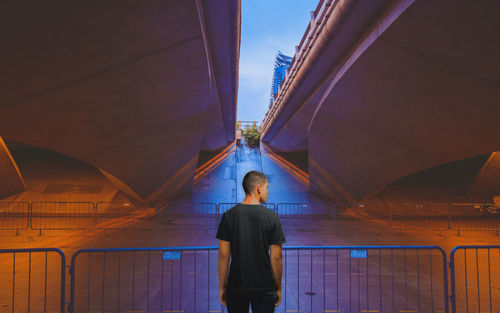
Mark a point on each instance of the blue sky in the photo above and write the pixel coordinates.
(266, 27)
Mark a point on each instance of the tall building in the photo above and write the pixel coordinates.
(281, 63)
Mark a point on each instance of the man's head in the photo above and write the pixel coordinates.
(255, 184)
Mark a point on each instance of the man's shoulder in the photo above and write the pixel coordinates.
(267, 213)
(256, 208)
(233, 208)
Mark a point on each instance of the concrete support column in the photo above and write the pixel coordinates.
(11, 181)
(487, 182)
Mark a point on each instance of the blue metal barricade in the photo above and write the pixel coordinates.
(475, 278)
(311, 215)
(14, 215)
(62, 215)
(145, 280)
(315, 279)
(32, 280)
(364, 279)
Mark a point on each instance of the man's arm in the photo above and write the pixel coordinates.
(277, 266)
(224, 257)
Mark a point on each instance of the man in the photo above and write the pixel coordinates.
(246, 232)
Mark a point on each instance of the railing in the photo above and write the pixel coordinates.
(33, 280)
(365, 279)
(318, 19)
(190, 215)
(361, 216)
(416, 216)
(122, 215)
(145, 279)
(314, 215)
(14, 215)
(433, 216)
(473, 216)
(315, 279)
(475, 279)
(61, 215)
(187, 215)
(246, 124)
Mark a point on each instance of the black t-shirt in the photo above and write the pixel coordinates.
(251, 229)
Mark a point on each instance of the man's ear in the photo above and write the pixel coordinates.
(259, 188)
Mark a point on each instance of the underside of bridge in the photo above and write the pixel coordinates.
(391, 88)
(135, 89)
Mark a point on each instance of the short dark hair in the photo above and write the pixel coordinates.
(252, 179)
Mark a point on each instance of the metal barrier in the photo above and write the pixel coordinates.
(187, 215)
(473, 216)
(416, 216)
(420, 216)
(14, 215)
(364, 279)
(314, 215)
(62, 215)
(315, 279)
(362, 216)
(145, 279)
(475, 279)
(123, 215)
(32, 280)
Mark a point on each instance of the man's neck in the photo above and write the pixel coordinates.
(249, 199)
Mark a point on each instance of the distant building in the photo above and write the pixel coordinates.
(281, 64)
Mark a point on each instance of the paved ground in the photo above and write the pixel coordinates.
(223, 184)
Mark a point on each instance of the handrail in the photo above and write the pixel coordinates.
(301, 52)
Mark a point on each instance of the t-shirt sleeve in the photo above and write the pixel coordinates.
(277, 236)
(222, 231)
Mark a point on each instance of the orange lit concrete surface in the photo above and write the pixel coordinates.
(134, 89)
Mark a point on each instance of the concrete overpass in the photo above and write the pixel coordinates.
(382, 89)
(136, 89)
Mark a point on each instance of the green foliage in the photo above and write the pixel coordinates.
(252, 135)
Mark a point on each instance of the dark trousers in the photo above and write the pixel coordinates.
(262, 302)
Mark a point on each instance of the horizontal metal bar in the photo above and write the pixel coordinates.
(473, 247)
(32, 250)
